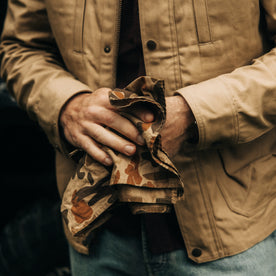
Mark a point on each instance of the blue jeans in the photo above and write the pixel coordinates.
(117, 255)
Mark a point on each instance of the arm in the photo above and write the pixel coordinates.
(32, 67)
(177, 126)
(35, 74)
(240, 106)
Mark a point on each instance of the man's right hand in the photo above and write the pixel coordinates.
(85, 117)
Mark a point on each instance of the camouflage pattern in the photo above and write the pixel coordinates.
(147, 182)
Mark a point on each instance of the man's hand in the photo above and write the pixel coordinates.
(84, 120)
(179, 118)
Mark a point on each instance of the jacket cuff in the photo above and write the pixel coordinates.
(48, 108)
(214, 110)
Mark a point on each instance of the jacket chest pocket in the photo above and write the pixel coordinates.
(202, 21)
(79, 25)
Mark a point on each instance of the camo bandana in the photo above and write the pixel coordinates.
(147, 182)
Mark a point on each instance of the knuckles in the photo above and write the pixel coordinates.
(108, 118)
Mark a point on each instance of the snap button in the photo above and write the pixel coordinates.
(107, 49)
(151, 45)
(196, 252)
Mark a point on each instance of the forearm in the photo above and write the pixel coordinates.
(33, 69)
(240, 106)
(236, 107)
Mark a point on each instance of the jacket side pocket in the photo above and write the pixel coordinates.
(248, 179)
(78, 25)
(202, 21)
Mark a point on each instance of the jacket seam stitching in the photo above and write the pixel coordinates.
(196, 21)
(209, 208)
(173, 28)
(79, 27)
(235, 117)
(208, 20)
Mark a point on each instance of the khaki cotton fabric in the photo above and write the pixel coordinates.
(147, 181)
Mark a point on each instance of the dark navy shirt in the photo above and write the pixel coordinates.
(162, 230)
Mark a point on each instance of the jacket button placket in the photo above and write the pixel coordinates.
(107, 49)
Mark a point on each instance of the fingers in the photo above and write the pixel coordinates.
(78, 137)
(115, 122)
(98, 135)
(89, 121)
(94, 150)
(144, 112)
(108, 138)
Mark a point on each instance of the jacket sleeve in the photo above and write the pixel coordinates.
(33, 68)
(240, 106)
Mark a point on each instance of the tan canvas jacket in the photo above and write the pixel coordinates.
(217, 54)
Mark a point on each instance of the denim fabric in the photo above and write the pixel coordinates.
(114, 255)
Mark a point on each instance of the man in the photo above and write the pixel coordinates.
(60, 59)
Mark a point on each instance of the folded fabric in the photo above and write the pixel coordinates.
(147, 182)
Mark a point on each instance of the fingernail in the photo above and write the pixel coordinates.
(129, 149)
(108, 161)
(140, 140)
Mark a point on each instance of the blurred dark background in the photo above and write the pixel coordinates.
(31, 236)
(3, 8)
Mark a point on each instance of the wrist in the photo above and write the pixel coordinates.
(191, 133)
